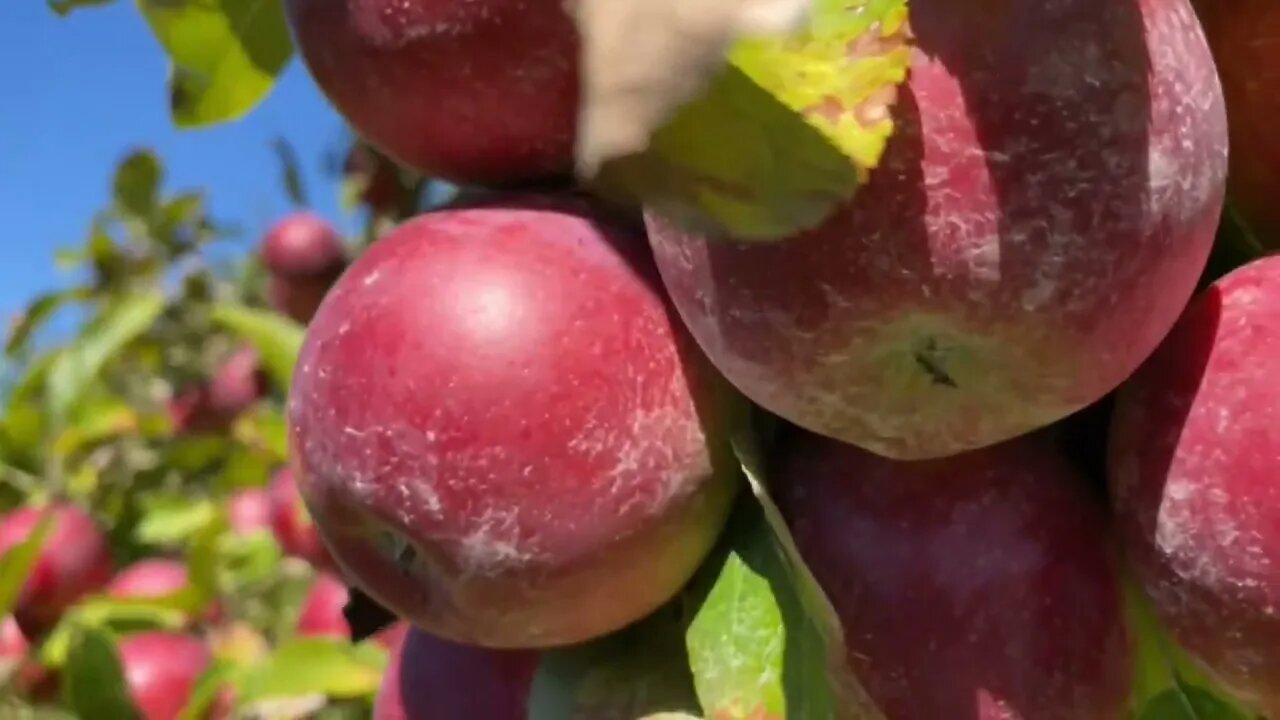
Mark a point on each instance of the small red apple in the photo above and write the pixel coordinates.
(1194, 457)
(304, 256)
(149, 578)
(979, 587)
(1245, 37)
(503, 433)
(212, 407)
(433, 679)
(161, 670)
(421, 80)
(74, 561)
(292, 524)
(249, 511)
(1040, 216)
(321, 613)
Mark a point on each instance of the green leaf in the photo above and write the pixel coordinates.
(169, 520)
(1188, 702)
(765, 641)
(37, 312)
(629, 674)
(290, 171)
(276, 338)
(100, 416)
(65, 7)
(79, 365)
(206, 691)
(17, 561)
(22, 434)
(225, 55)
(136, 187)
(248, 560)
(784, 134)
(316, 665)
(93, 679)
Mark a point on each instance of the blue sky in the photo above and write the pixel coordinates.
(77, 93)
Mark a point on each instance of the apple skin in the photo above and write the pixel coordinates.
(321, 613)
(161, 670)
(303, 255)
(979, 587)
(429, 678)
(1192, 470)
(249, 511)
(1245, 38)
(73, 562)
(420, 81)
(149, 578)
(291, 522)
(1038, 220)
(502, 432)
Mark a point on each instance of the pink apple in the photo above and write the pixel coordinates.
(291, 522)
(73, 562)
(979, 587)
(1193, 471)
(249, 511)
(149, 578)
(1039, 218)
(502, 432)
(161, 670)
(304, 255)
(321, 613)
(472, 91)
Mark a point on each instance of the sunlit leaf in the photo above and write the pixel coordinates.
(225, 56)
(276, 338)
(169, 520)
(312, 665)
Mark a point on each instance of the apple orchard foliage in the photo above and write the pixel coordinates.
(143, 417)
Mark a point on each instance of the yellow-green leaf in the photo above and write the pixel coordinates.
(276, 338)
(225, 55)
(17, 561)
(315, 665)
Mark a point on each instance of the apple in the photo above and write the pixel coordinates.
(381, 189)
(303, 255)
(211, 407)
(73, 561)
(1245, 37)
(291, 522)
(1038, 219)
(421, 81)
(149, 578)
(503, 433)
(1192, 470)
(979, 587)
(249, 511)
(161, 670)
(321, 613)
(20, 669)
(429, 678)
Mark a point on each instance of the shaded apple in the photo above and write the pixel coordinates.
(503, 433)
(20, 668)
(979, 587)
(73, 562)
(303, 255)
(1039, 218)
(291, 522)
(1245, 37)
(421, 81)
(429, 678)
(161, 670)
(249, 511)
(211, 407)
(1192, 469)
(321, 612)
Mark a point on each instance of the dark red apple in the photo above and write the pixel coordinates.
(20, 669)
(74, 561)
(291, 522)
(1039, 218)
(421, 81)
(1193, 468)
(321, 612)
(979, 587)
(1245, 37)
(249, 511)
(433, 679)
(212, 407)
(503, 433)
(303, 255)
(161, 670)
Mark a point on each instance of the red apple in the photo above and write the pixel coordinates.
(503, 433)
(381, 185)
(249, 511)
(211, 407)
(149, 578)
(20, 669)
(433, 679)
(1193, 467)
(291, 522)
(422, 81)
(1245, 37)
(979, 587)
(304, 256)
(74, 561)
(321, 613)
(161, 670)
(1038, 220)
